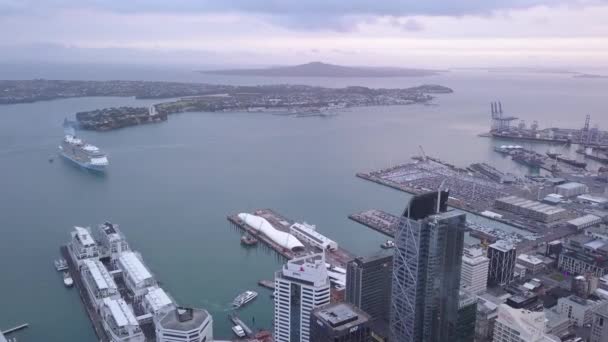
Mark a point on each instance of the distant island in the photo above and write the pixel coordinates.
(590, 76)
(282, 99)
(319, 69)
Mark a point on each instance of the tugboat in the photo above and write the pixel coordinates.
(243, 299)
(67, 279)
(388, 244)
(248, 240)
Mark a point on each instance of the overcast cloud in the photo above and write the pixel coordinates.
(432, 33)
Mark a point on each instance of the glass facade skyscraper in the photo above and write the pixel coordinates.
(426, 270)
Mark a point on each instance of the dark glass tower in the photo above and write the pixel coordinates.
(426, 271)
(368, 284)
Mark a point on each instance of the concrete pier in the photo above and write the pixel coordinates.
(377, 220)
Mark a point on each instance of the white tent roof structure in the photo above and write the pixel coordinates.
(281, 238)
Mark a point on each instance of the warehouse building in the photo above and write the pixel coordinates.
(584, 221)
(571, 189)
(531, 209)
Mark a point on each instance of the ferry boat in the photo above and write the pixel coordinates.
(244, 298)
(67, 279)
(238, 331)
(83, 154)
(388, 244)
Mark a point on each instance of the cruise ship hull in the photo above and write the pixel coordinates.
(88, 166)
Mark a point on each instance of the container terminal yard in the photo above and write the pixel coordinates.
(469, 190)
(502, 127)
(552, 162)
(547, 206)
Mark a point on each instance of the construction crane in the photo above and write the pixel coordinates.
(422, 154)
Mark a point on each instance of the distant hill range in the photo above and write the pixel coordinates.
(319, 69)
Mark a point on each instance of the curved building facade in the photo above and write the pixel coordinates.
(281, 238)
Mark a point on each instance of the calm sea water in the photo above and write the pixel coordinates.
(171, 185)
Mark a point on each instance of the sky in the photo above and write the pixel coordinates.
(421, 33)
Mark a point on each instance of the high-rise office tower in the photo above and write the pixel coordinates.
(502, 263)
(426, 270)
(474, 275)
(340, 322)
(300, 286)
(368, 284)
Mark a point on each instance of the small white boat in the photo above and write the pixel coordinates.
(244, 298)
(61, 265)
(238, 331)
(67, 279)
(388, 244)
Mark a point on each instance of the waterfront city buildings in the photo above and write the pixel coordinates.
(578, 310)
(82, 246)
(184, 325)
(502, 263)
(474, 274)
(599, 326)
(120, 322)
(340, 322)
(110, 240)
(487, 313)
(301, 285)
(584, 254)
(426, 270)
(138, 278)
(467, 315)
(123, 292)
(99, 282)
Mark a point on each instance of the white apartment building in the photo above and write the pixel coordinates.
(474, 271)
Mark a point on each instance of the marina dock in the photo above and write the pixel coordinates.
(84, 296)
(338, 257)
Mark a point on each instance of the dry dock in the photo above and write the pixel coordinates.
(338, 257)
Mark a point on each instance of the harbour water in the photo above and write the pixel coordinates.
(171, 185)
